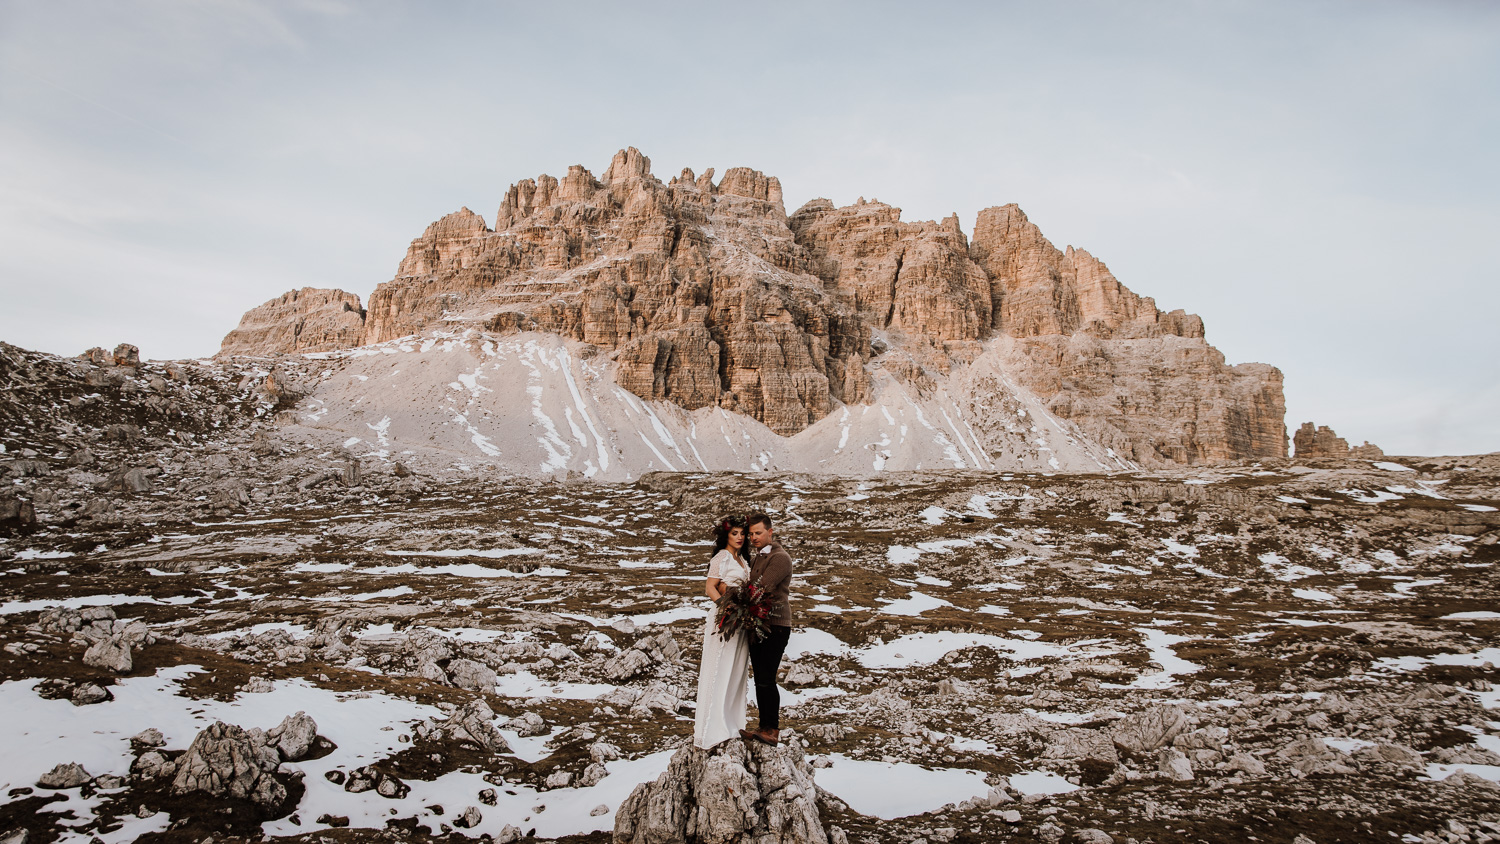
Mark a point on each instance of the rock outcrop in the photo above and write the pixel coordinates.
(225, 760)
(1321, 441)
(299, 321)
(730, 794)
(709, 295)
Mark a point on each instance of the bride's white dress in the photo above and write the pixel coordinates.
(725, 671)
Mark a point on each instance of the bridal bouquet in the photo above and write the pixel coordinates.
(747, 608)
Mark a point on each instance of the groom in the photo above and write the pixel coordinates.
(772, 566)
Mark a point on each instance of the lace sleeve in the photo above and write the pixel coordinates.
(713, 565)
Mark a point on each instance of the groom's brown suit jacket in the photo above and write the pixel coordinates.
(774, 571)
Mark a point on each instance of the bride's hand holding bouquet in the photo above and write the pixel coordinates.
(745, 609)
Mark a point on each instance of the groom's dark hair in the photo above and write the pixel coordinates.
(759, 519)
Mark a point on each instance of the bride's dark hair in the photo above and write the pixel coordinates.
(721, 535)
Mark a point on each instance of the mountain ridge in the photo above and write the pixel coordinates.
(709, 295)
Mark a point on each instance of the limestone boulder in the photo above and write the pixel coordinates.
(473, 722)
(69, 775)
(736, 792)
(226, 760)
(1150, 728)
(294, 736)
(468, 674)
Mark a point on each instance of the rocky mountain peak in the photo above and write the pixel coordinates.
(708, 295)
(628, 165)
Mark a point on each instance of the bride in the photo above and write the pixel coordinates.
(726, 665)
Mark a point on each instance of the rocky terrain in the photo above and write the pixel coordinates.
(709, 298)
(1321, 441)
(216, 624)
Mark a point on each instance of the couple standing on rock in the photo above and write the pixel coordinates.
(727, 662)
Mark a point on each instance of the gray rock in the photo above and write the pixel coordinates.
(657, 695)
(361, 780)
(643, 656)
(1465, 755)
(1078, 743)
(603, 751)
(627, 664)
(953, 687)
(227, 760)
(800, 675)
(1172, 762)
(1390, 754)
(16, 836)
(153, 765)
(229, 494)
(601, 809)
(112, 654)
(391, 787)
(134, 479)
(1248, 764)
(469, 818)
(101, 510)
(432, 671)
(468, 674)
(508, 834)
(1150, 728)
(70, 775)
(1311, 747)
(89, 693)
(592, 775)
(1208, 738)
(149, 737)
(1092, 836)
(294, 736)
(559, 779)
(730, 794)
(473, 722)
(529, 724)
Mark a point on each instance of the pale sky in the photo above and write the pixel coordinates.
(1318, 180)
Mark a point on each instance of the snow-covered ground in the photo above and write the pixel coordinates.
(534, 404)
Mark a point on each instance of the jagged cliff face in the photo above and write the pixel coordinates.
(1321, 441)
(700, 290)
(297, 322)
(707, 295)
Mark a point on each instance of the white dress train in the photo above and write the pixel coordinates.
(725, 670)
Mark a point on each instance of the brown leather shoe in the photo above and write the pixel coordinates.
(771, 737)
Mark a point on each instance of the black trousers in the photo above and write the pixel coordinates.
(765, 660)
